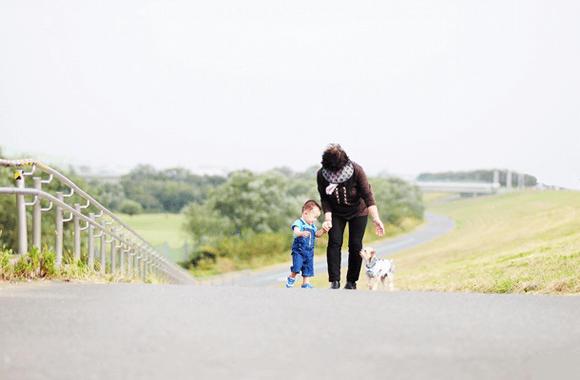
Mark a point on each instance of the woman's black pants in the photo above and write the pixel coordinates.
(356, 232)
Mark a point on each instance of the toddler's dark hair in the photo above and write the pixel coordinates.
(310, 204)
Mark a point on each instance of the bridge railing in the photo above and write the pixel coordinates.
(128, 253)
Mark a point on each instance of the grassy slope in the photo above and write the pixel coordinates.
(511, 243)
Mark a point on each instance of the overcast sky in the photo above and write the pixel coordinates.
(405, 86)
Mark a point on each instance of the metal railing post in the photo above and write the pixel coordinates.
(131, 259)
(37, 216)
(122, 259)
(77, 234)
(21, 206)
(130, 263)
(91, 243)
(145, 269)
(113, 252)
(103, 249)
(59, 224)
(138, 261)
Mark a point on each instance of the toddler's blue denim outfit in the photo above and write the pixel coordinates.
(303, 249)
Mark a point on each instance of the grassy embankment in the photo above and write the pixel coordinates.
(520, 242)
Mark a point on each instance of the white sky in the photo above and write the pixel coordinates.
(405, 86)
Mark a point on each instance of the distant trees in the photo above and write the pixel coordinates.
(270, 202)
(397, 199)
(168, 190)
(249, 203)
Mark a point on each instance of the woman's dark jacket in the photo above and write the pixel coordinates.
(351, 198)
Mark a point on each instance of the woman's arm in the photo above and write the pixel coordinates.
(379, 227)
(325, 202)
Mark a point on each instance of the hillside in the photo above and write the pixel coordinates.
(520, 242)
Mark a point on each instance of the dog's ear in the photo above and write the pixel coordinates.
(373, 251)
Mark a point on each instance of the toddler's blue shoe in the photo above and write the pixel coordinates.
(308, 286)
(290, 283)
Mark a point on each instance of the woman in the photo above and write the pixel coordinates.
(346, 197)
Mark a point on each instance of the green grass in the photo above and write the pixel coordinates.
(158, 228)
(520, 242)
(38, 265)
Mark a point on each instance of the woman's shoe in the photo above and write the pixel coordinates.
(335, 285)
(350, 285)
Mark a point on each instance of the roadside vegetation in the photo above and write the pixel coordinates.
(40, 265)
(518, 242)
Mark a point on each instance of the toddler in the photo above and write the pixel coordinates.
(303, 247)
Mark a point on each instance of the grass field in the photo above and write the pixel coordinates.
(520, 242)
(158, 228)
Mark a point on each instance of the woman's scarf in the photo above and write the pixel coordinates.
(334, 178)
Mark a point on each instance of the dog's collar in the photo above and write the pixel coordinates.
(372, 265)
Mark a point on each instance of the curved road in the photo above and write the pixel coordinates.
(138, 331)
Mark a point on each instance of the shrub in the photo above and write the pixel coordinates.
(131, 207)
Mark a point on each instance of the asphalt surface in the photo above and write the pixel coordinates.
(138, 331)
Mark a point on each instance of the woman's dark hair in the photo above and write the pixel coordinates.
(334, 158)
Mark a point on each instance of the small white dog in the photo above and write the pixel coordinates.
(378, 269)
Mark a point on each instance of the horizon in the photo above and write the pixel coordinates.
(96, 172)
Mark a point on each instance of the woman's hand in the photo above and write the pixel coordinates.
(379, 227)
(327, 225)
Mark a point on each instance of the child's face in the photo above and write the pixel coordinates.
(311, 215)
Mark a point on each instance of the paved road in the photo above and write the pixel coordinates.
(137, 331)
(131, 331)
(437, 225)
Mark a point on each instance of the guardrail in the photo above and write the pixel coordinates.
(133, 254)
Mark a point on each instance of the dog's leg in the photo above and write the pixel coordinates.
(391, 281)
(383, 279)
(375, 283)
